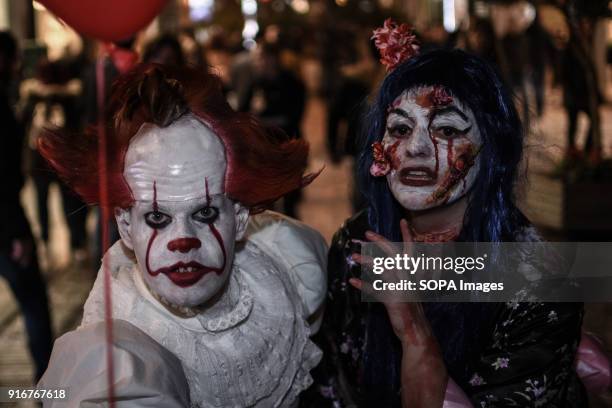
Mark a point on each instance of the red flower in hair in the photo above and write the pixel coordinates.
(396, 43)
(440, 96)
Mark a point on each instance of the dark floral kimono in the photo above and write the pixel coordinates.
(514, 354)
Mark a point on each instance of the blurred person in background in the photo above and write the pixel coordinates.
(165, 50)
(219, 56)
(540, 57)
(119, 58)
(355, 81)
(575, 84)
(246, 71)
(194, 55)
(242, 78)
(278, 99)
(435, 36)
(282, 91)
(510, 21)
(348, 103)
(331, 56)
(51, 100)
(479, 39)
(18, 261)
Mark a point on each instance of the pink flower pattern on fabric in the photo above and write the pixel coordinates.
(396, 43)
(501, 362)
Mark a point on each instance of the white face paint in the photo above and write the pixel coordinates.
(432, 149)
(182, 228)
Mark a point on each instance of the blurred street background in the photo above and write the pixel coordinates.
(309, 67)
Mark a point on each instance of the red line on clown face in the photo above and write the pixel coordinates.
(214, 230)
(155, 206)
(154, 234)
(449, 154)
(435, 144)
(219, 239)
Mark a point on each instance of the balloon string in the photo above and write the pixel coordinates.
(104, 215)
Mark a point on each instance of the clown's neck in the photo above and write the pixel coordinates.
(443, 222)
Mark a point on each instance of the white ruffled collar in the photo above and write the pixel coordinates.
(201, 322)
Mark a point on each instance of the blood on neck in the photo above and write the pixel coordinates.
(440, 219)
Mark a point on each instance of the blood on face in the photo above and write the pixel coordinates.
(154, 233)
(457, 171)
(432, 144)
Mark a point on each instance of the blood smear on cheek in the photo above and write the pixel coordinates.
(391, 155)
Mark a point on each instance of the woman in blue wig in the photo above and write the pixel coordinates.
(439, 164)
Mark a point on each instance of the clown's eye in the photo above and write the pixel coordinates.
(399, 130)
(156, 219)
(206, 215)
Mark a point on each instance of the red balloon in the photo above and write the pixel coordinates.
(108, 20)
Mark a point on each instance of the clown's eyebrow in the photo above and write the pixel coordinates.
(450, 109)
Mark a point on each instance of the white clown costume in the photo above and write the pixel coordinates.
(254, 350)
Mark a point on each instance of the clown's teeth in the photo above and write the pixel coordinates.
(184, 269)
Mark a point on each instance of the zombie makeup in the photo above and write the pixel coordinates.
(431, 145)
(182, 228)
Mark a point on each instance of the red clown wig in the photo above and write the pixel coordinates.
(262, 163)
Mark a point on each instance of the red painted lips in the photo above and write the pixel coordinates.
(417, 176)
(186, 274)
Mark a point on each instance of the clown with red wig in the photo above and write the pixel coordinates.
(213, 299)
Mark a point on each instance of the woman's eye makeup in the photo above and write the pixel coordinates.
(207, 214)
(450, 132)
(157, 220)
(399, 130)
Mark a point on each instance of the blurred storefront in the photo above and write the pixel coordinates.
(30, 20)
(240, 21)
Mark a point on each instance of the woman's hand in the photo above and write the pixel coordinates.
(424, 375)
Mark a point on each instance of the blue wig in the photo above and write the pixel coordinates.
(491, 216)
